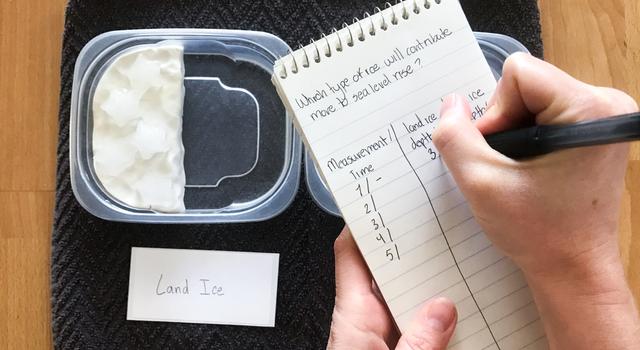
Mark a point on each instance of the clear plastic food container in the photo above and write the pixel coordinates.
(496, 49)
(242, 155)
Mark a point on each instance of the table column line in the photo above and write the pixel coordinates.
(424, 188)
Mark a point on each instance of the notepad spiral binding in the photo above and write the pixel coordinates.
(380, 20)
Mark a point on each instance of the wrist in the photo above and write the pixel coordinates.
(591, 268)
(586, 304)
(591, 281)
(595, 276)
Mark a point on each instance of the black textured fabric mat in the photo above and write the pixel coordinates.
(90, 258)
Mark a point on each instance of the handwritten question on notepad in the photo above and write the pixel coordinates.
(328, 97)
(368, 80)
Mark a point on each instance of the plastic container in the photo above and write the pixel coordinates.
(242, 154)
(496, 49)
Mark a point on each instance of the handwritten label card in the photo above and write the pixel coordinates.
(198, 286)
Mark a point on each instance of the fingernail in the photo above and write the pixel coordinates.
(441, 314)
(450, 102)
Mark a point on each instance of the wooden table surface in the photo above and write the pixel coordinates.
(596, 41)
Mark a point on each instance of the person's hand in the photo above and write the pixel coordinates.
(563, 206)
(360, 317)
(555, 215)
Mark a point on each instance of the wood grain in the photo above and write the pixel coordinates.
(27, 311)
(30, 42)
(594, 40)
(25, 230)
(599, 42)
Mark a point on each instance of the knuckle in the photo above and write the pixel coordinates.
(619, 100)
(605, 102)
(512, 64)
(423, 341)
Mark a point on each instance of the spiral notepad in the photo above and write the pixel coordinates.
(366, 100)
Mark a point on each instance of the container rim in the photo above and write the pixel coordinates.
(88, 195)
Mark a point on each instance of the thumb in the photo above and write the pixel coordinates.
(457, 139)
(432, 327)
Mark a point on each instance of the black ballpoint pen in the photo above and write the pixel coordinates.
(543, 139)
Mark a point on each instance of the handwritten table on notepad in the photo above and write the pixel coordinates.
(366, 100)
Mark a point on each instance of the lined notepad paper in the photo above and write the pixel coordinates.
(366, 100)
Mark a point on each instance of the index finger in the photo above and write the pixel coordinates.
(531, 91)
